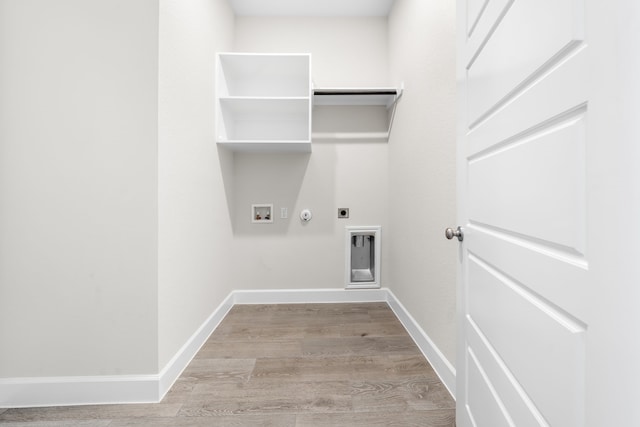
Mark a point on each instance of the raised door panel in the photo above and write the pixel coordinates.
(526, 38)
(516, 321)
(475, 8)
(534, 186)
(488, 407)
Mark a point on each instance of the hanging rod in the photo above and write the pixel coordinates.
(355, 98)
(386, 96)
(348, 91)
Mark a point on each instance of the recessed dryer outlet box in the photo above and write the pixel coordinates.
(343, 212)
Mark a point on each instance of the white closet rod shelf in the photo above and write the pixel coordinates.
(386, 96)
(358, 97)
(351, 91)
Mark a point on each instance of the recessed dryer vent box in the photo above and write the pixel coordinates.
(362, 257)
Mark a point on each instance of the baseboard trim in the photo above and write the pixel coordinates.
(183, 357)
(119, 389)
(67, 391)
(445, 370)
(301, 296)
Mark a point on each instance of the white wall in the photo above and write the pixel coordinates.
(194, 223)
(422, 166)
(78, 187)
(289, 254)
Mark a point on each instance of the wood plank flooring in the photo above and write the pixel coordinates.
(293, 365)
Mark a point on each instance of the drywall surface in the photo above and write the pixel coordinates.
(346, 51)
(422, 166)
(194, 232)
(78, 187)
(290, 253)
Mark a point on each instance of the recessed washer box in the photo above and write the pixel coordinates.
(262, 213)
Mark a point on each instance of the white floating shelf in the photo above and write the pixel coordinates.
(264, 102)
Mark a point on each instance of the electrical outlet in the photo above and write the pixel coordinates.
(284, 213)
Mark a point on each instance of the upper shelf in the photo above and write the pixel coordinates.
(264, 75)
(264, 102)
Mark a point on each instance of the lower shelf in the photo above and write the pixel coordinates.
(267, 146)
(353, 136)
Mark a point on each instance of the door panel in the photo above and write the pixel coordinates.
(534, 185)
(525, 256)
(486, 22)
(521, 410)
(536, 106)
(523, 40)
(557, 275)
(515, 322)
(490, 410)
(474, 13)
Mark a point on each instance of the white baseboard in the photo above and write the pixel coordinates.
(67, 391)
(94, 390)
(445, 370)
(301, 296)
(183, 357)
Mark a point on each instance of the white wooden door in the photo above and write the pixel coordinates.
(549, 204)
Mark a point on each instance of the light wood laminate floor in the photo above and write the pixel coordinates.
(292, 365)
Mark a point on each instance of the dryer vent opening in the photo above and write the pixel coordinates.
(363, 257)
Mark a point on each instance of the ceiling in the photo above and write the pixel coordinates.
(311, 7)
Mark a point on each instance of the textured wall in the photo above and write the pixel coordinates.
(194, 230)
(422, 166)
(78, 187)
(289, 254)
